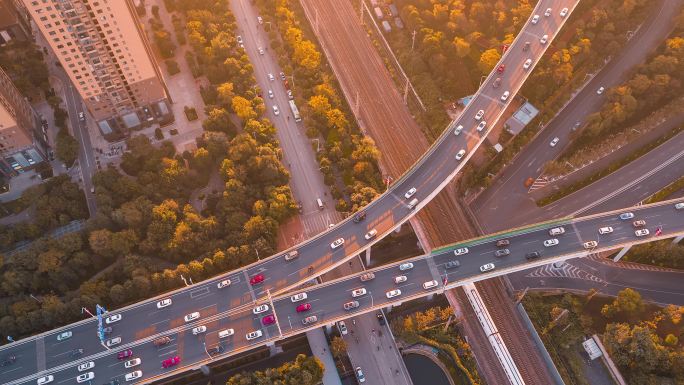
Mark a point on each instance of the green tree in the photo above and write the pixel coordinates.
(628, 302)
(243, 108)
(488, 60)
(66, 148)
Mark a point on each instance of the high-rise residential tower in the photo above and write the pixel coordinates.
(102, 47)
(22, 142)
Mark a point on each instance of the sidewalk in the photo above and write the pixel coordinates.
(320, 349)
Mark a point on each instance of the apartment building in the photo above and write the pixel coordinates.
(22, 141)
(12, 25)
(102, 47)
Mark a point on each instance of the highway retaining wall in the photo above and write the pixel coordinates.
(540, 345)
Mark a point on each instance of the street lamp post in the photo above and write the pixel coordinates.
(204, 344)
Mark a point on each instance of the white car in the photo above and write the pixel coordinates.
(85, 377)
(192, 316)
(460, 154)
(85, 366)
(132, 363)
(260, 309)
(641, 232)
(458, 129)
(487, 267)
(64, 336)
(605, 230)
(81, 116)
(113, 318)
(679, 206)
(406, 266)
(625, 216)
(393, 293)
(547, 13)
(276, 111)
(199, 330)
(479, 115)
(224, 283)
(114, 341)
(481, 126)
(461, 251)
(240, 41)
(544, 39)
(410, 193)
(338, 242)
(554, 142)
(371, 234)
(358, 292)
(535, 19)
(551, 242)
(270, 94)
(253, 335)
(164, 303)
(290, 95)
(46, 380)
(557, 231)
(527, 64)
(359, 374)
(261, 50)
(600, 90)
(298, 297)
(226, 333)
(133, 375)
(429, 284)
(505, 95)
(564, 12)
(343, 328)
(590, 244)
(260, 20)
(400, 279)
(271, 77)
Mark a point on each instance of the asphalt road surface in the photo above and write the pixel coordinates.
(435, 169)
(326, 300)
(506, 203)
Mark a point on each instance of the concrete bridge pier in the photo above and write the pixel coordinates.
(368, 256)
(622, 253)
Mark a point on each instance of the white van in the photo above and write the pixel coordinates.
(320, 204)
(413, 204)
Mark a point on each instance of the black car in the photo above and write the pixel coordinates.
(216, 350)
(533, 255)
(359, 217)
(452, 264)
(381, 319)
(9, 360)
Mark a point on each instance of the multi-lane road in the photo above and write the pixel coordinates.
(429, 176)
(327, 300)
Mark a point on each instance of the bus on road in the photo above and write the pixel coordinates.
(295, 111)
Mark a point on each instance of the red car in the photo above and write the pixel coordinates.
(124, 354)
(501, 68)
(259, 278)
(268, 320)
(303, 307)
(169, 362)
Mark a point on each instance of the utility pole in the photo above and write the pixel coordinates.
(413, 39)
(520, 298)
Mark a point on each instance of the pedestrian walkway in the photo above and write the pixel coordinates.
(320, 349)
